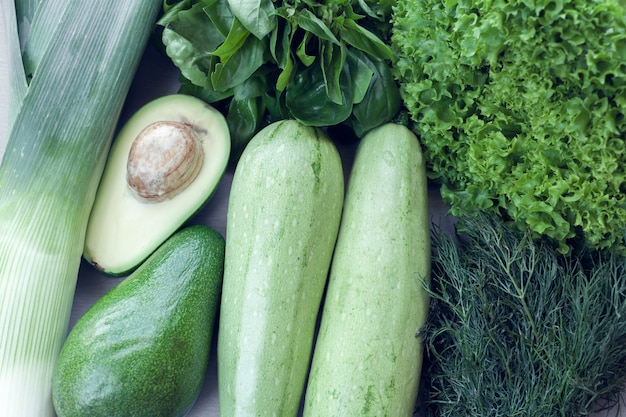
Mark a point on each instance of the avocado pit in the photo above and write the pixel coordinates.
(163, 160)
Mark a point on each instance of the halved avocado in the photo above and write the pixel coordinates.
(164, 165)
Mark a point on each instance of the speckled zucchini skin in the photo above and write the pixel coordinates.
(142, 349)
(367, 359)
(283, 216)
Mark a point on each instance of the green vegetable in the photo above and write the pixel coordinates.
(143, 348)
(322, 63)
(283, 217)
(14, 75)
(516, 329)
(140, 204)
(368, 353)
(520, 108)
(58, 141)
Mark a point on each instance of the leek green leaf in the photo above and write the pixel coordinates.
(47, 17)
(14, 77)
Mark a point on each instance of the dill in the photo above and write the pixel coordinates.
(516, 329)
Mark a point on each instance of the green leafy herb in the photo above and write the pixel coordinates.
(516, 329)
(322, 63)
(255, 15)
(520, 107)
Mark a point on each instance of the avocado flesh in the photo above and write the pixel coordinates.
(123, 231)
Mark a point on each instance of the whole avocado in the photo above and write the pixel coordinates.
(142, 349)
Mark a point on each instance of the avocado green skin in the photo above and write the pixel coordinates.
(142, 349)
(283, 217)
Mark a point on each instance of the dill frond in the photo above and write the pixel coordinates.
(516, 329)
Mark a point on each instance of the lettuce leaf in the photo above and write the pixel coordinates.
(520, 108)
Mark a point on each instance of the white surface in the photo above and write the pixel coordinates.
(156, 77)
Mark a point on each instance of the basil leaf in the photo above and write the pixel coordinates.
(311, 23)
(363, 39)
(255, 15)
(361, 74)
(244, 119)
(220, 15)
(281, 53)
(170, 11)
(382, 100)
(241, 65)
(317, 62)
(333, 60)
(306, 98)
(236, 38)
(301, 52)
(377, 10)
(191, 49)
(275, 106)
(274, 44)
(285, 75)
(255, 86)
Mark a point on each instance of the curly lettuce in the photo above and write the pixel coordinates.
(520, 108)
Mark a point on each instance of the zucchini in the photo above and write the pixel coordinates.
(283, 216)
(368, 354)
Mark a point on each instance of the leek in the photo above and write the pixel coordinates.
(13, 76)
(56, 148)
